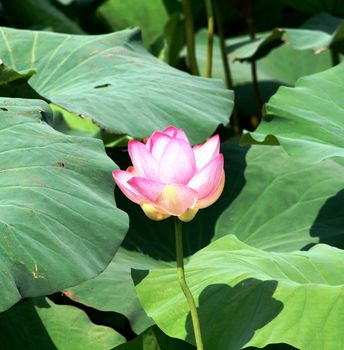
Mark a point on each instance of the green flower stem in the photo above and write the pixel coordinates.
(190, 39)
(183, 284)
(208, 68)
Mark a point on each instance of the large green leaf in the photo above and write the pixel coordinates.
(306, 120)
(40, 324)
(58, 221)
(149, 16)
(321, 32)
(283, 65)
(247, 296)
(113, 290)
(244, 48)
(284, 205)
(114, 81)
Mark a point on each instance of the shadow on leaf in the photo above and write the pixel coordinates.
(22, 328)
(229, 316)
(329, 224)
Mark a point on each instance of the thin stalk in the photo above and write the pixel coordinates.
(252, 34)
(256, 86)
(225, 63)
(190, 38)
(209, 64)
(226, 67)
(183, 284)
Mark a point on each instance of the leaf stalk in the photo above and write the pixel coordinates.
(249, 21)
(190, 38)
(210, 16)
(219, 24)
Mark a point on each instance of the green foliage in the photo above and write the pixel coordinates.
(113, 290)
(149, 16)
(306, 120)
(115, 82)
(40, 321)
(50, 183)
(266, 216)
(320, 33)
(284, 65)
(265, 262)
(236, 285)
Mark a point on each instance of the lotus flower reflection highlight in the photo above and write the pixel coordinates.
(169, 177)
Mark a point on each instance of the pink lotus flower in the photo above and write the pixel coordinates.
(169, 177)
